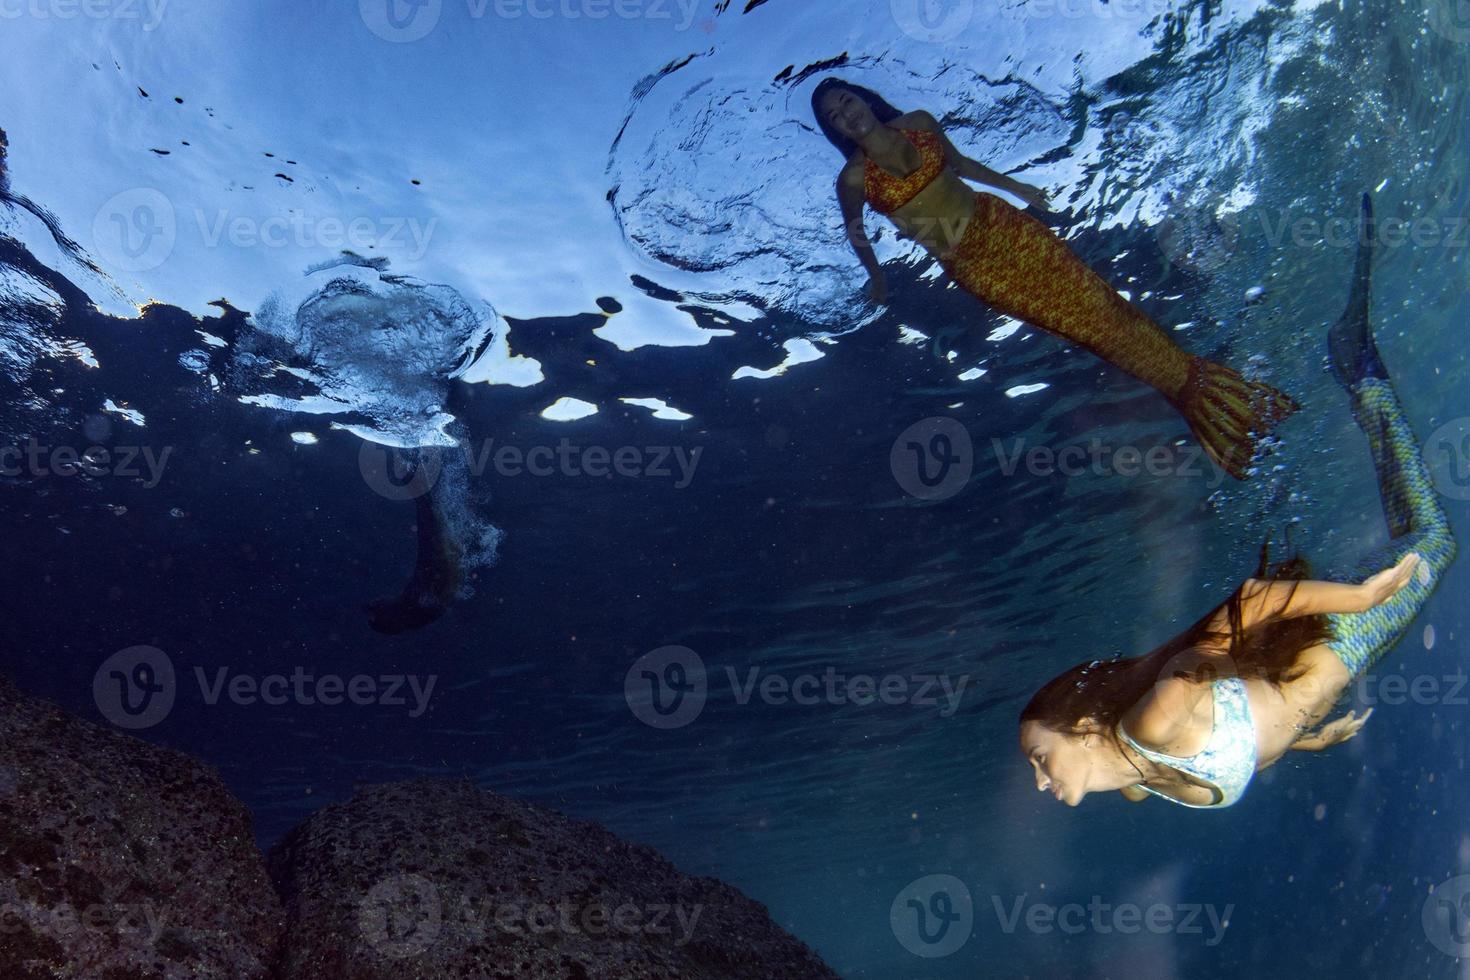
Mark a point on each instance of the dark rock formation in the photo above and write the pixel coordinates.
(120, 860)
(432, 879)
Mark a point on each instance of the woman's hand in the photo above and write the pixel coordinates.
(878, 288)
(1386, 584)
(1033, 196)
(1334, 732)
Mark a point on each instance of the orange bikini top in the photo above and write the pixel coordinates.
(887, 193)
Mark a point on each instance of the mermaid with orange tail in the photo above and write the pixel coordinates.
(904, 166)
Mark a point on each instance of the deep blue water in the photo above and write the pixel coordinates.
(794, 552)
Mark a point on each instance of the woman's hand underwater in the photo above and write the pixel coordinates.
(1033, 196)
(1335, 732)
(1382, 587)
(1342, 729)
(878, 289)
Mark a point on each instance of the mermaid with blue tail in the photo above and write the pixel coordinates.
(1194, 720)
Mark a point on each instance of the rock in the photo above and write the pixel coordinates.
(434, 879)
(120, 860)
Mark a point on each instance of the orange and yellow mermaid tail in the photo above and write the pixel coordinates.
(1016, 265)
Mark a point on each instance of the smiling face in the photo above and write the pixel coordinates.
(848, 114)
(1065, 765)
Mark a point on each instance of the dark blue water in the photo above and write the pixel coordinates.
(793, 555)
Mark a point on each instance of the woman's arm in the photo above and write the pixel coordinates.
(1332, 733)
(1263, 601)
(850, 201)
(976, 171)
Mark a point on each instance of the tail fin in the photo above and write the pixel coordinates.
(1228, 414)
(1351, 353)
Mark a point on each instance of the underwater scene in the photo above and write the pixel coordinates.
(879, 489)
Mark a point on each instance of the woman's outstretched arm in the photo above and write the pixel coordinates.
(1263, 601)
(850, 201)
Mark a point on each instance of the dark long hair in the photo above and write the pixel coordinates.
(876, 102)
(1092, 697)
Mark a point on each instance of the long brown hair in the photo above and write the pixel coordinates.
(1092, 697)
